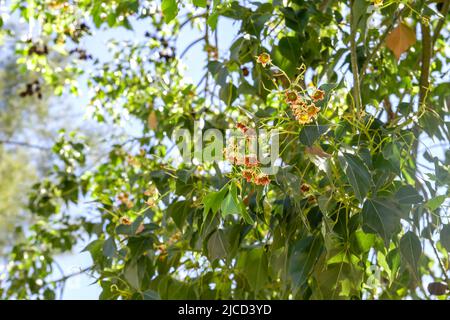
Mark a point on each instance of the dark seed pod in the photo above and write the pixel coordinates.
(437, 288)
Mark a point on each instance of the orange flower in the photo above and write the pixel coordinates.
(248, 174)
(264, 59)
(151, 202)
(251, 161)
(123, 198)
(318, 95)
(262, 179)
(242, 127)
(303, 118)
(304, 187)
(230, 154)
(125, 220)
(312, 110)
(292, 96)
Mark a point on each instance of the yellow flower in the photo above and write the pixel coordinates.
(377, 3)
(125, 220)
(312, 110)
(264, 59)
(303, 118)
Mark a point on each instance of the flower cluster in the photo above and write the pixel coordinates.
(125, 200)
(303, 111)
(251, 171)
(153, 194)
(303, 108)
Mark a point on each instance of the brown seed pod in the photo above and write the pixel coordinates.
(437, 288)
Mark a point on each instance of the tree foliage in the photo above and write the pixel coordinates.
(358, 208)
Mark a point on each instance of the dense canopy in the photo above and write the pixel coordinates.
(345, 195)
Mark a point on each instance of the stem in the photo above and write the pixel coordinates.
(440, 25)
(427, 48)
(354, 61)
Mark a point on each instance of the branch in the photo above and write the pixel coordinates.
(190, 46)
(354, 60)
(440, 25)
(427, 49)
(65, 278)
(24, 144)
(388, 107)
(182, 25)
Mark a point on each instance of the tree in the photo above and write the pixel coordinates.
(354, 91)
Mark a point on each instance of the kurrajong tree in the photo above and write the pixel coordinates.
(359, 93)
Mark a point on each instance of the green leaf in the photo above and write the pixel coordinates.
(230, 205)
(362, 242)
(311, 132)
(151, 295)
(357, 173)
(199, 3)
(337, 281)
(411, 250)
(109, 247)
(218, 245)
(228, 93)
(213, 201)
(289, 48)
(381, 216)
(305, 254)
(132, 276)
(179, 212)
(139, 246)
(255, 266)
(130, 230)
(407, 195)
(436, 202)
(445, 237)
(95, 249)
(212, 20)
(169, 9)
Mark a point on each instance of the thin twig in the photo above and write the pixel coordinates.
(182, 25)
(440, 25)
(67, 277)
(380, 43)
(24, 144)
(354, 60)
(190, 46)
